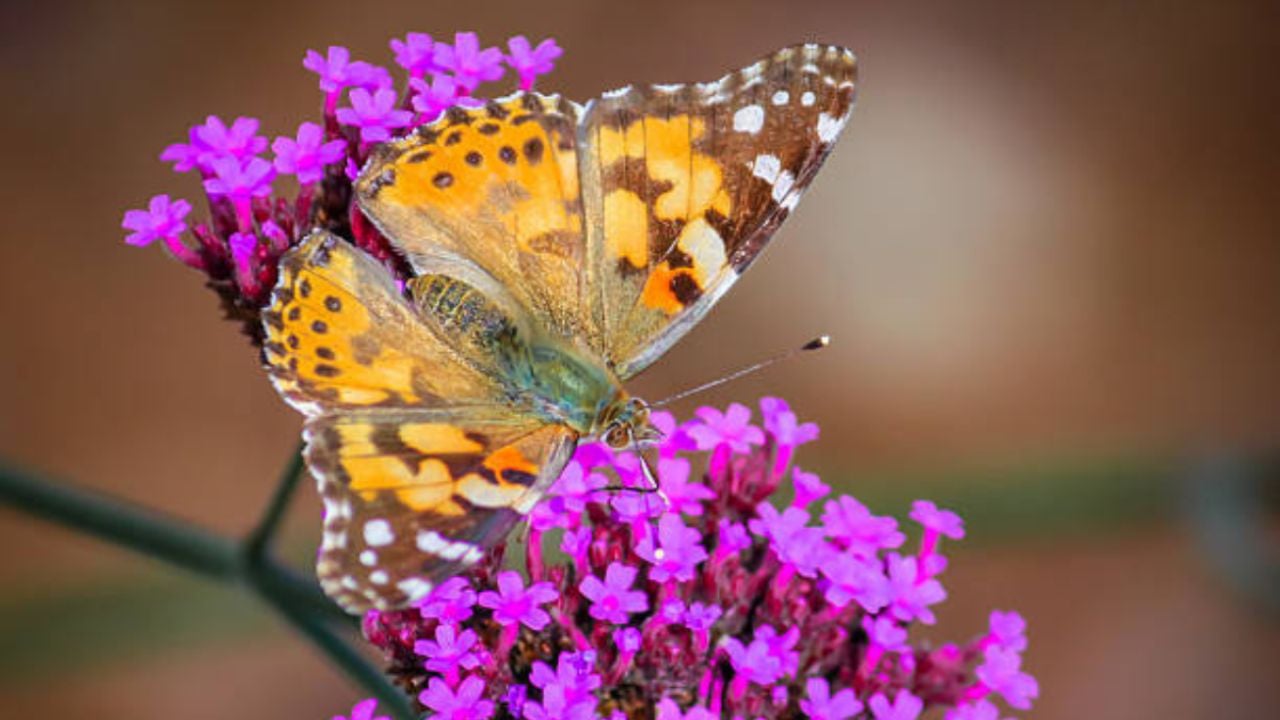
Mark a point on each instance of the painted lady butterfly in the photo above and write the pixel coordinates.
(559, 250)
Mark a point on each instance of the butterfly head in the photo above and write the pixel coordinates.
(626, 423)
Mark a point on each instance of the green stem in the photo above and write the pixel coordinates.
(122, 523)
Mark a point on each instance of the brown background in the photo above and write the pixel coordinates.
(1047, 249)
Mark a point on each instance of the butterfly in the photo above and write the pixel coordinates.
(558, 250)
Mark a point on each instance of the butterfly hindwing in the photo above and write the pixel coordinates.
(685, 184)
(412, 497)
(498, 186)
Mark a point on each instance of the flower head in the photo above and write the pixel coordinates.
(374, 113)
(530, 63)
(415, 53)
(238, 179)
(466, 703)
(162, 220)
(852, 526)
(337, 71)
(732, 427)
(449, 602)
(364, 710)
(675, 553)
(308, 154)
(468, 62)
(905, 706)
(513, 603)
(1001, 671)
(613, 600)
(820, 704)
(450, 651)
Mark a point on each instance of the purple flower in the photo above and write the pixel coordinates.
(821, 705)
(912, 595)
(980, 710)
(514, 604)
(243, 246)
(732, 427)
(336, 70)
(683, 496)
(466, 703)
(374, 113)
(469, 64)
(943, 522)
(676, 553)
(1001, 671)
(415, 53)
(568, 692)
(162, 220)
(363, 710)
(239, 141)
(627, 639)
(307, 156)
(613, 600)
(529, 64)
(792, 540)
(576, 487)
(732, 537)
(239, 180)
(905, 706)
(669, 710)
(853, 527)
(700, 617)
(883, 632)
(442, 93)
(1008, 630)
(809, 487)
(450, 601)
(768, 657)
(576, 543)
(855, 579)
(781, 423)
(674, 438)
(450, 650)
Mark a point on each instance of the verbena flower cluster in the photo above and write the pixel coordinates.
(255, 216)
(705, 600)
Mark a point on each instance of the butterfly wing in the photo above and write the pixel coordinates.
(412, 498)
(422, 459)
(685, 184)
(495, 185)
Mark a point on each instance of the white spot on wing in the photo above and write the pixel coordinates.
(807, 99)
(667, 88)
(749, 119)
(781, 97)
(430, 541)
(368, 557)
(414, 588)
(619, 92)
(377, 533)
(767, 167)
(782, 185)
(379, 577)
(828, 127)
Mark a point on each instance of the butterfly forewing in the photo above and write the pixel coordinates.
(685, 184)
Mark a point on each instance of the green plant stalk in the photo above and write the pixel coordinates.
(223, 560)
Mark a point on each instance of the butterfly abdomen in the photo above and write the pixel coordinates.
(461, 310)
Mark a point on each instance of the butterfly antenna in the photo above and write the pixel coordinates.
(815, 344)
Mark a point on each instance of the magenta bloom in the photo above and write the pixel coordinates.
(530, 63)
(337, 72)
(415, 53)
(162, 220)
(1008, 630)
(768, 658)
(668, 710)
(943, 522)
(912, 596)
(513, 603)
(852, 526)
(820, 704)
(450, 652)
(683, 496)
(883, 632)
(613, 600)
(809, 487)
(732, 427)
(470, 65)
(780, 422)
(307, 156)
(791, 538)
(980, 710)
(1002, 673)
(239, 180)
(240, 141)
(677, 552)
(450, 601)
(374, 113)
(466, 703)
(854, 579)
(363, 710)
(905, 706)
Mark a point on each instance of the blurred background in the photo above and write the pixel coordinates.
(1047, 248)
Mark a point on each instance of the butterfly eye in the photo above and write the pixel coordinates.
(617, 437)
